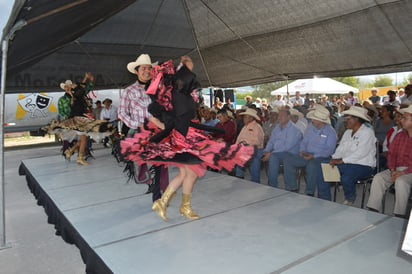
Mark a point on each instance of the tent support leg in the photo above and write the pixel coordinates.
(5, 44)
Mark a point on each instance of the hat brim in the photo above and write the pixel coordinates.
(132, 65)
(356, 114)
(250, 114)
(63, 86)
(406, 110)
(312, 115)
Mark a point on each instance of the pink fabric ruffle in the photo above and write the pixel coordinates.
(216, 155)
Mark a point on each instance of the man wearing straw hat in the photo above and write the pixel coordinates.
(133, 110)
(356, 154)
(399, 169)
(134, 100)
(251, 134)
(318, 144)
(285, 139)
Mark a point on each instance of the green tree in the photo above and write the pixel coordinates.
(349, 80)
(383, 81)
(407, 80)
(264, 90)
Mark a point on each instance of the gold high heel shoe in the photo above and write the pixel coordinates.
(186, 209)
(69, 152)
(81, 160)
(161, 204)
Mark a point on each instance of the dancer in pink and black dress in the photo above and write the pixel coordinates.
(173, 138)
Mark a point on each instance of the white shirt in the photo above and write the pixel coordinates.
(358, 149)
(110, 113)
(296, 101)
(278, 103)
(396, 130)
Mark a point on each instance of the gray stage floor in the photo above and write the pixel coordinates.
(245, 227)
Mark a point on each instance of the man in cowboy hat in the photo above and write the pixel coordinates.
(285, 139)
(134, 100)
(270, 124)
(64, 103)
(318, 144)
(374, 98)
(356, 154)
(109, 112)
(133, 108)
(399, 169)
(251, 134)
(249, 102)
(298, 119)
(229, 135)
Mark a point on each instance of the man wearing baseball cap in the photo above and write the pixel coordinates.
(399, 169)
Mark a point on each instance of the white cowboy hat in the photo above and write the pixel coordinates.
(359, 112)
(274, 109)
(406, 110)
(320, 113)
(143, 59)
(66, 83)
(251, 112)
(296, 113)
(373, 108)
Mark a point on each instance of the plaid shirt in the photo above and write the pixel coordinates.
(400, 152)
(133, 105)
(64, 106)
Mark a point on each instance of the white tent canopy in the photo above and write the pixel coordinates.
(315, 85)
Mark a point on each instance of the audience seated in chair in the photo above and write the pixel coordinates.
(399, 169)
(284, 140)
(318, 144)
(355, 157)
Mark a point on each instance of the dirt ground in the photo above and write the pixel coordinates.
(23, 139)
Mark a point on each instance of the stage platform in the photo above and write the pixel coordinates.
(245, 227)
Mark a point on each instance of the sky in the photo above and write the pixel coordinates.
(6, 5)
(5, 8)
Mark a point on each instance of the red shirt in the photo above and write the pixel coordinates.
(400, 152)
(230, 127)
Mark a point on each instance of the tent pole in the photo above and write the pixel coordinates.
(5, 47)
(2, 185)
(287, 89)
(186, 9)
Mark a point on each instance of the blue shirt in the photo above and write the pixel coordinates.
(211, 122)
(284, 139)
(319, 142)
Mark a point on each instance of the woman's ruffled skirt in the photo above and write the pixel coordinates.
(197, 150)
(69, 129)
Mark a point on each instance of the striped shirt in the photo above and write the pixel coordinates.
(133, 105)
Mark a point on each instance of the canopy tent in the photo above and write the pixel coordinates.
(233, 42)
(315, 85)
